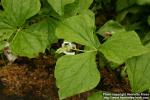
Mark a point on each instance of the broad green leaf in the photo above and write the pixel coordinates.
(121, 15)
(71, 9)
(78, 29)
(6, 30)
(122, 4)
(138, 72)
(5, 35)
(146, 38)
(14, 15)
(68, 8)
(48, 10)
(2, 45)
(59, 5)
(52, 24)
(84, 4)
(5, 27)
(76, 74)
(30, 42)
(96, 96)
(79, 6)
(17, 11)
(133, 26)
(121, 46)
(148, 45)
(110, 26)
(23, 41)
(143, 2)
(88, 12)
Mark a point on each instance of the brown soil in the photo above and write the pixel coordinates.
(36, 77)
(29, 76)
(111, 81)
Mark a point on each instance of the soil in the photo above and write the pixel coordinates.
(33, 79)
(29, 77)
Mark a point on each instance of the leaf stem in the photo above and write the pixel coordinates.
(84, 50)
(12, 37)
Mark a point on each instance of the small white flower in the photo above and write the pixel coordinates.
(67, 48)
(7, 52)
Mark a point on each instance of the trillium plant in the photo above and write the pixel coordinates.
(31, 26)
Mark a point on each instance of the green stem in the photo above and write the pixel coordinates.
(84, 50)
(11, 38)
(124, 68)
(123, 72)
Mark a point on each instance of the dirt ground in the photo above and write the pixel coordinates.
(34, 79)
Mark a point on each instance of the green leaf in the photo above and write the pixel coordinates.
(122, 15)
(5, 27)
(138, 72)
(24, 41)
(2, 45)
(110, 26)
(5, 35)
(96, 96)
(52, 24)
(148, 20)
(143, 2)
(68, 8)
(58, 5)
(71, 9)
(122, 4)
(78, 29)
(146, 38)
(30, 42)
(148, 45)
(122, 46)
(6, 30)
(78, 7)
(84, 4)
(14, 15)
(76, 74)
(17, 11)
